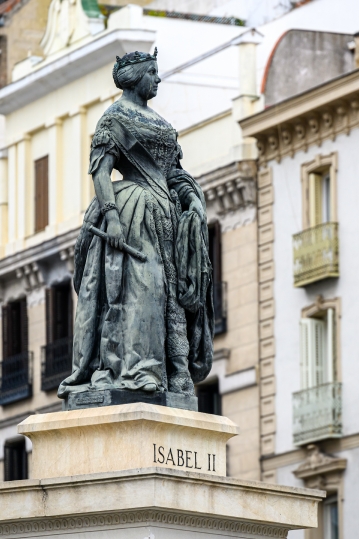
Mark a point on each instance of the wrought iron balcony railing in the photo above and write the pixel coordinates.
(16, 378)
(220, 307)
(316, 254)
(317, 413)
(56, 363)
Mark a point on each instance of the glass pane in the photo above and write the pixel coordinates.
(331, 527)
(326, 199)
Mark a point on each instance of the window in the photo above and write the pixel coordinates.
(317, 350)
(15, 459)
(319, 191)
(41, 193)
(209, 398)
(219, 287)
(16, 359)
(15, 328)
(330, 518)
(58, 312)
(319, 198)
(57, 354)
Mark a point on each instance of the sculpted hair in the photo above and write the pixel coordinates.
(128, 76)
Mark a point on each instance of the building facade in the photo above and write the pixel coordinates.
(307, 225)
(51, 110)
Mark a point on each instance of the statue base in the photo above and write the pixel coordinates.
(110, 397)
(142, 471)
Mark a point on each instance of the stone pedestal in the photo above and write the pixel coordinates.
(126, 437)
(139, 471)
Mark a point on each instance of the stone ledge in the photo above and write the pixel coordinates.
(155, 489)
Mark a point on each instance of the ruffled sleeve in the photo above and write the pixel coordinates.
(103, 142)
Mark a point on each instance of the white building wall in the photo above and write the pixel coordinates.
(290, 301)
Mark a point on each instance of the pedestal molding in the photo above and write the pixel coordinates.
(70, 524)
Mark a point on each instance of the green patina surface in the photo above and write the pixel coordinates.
(91, 8)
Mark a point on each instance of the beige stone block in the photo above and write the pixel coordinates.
(270, 476)
(243, 357)
(265, 253)
(266, 329)
(245, 294)
(125, 500)
(264, 178)
(266, 310)
(243, 316)
(240, 401)
(268, 386)
(242, 276)
(247, 254)
(247, 334)
(266, 291)
(268, 444)
(267, 348)
(266, 272)
(267, 367)
(268, 405)
(265, 234)
(265, 196)
(265, 215)
(83, 441)
(240, 236)
(268, 425)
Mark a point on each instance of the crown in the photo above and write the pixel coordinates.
(135, 58)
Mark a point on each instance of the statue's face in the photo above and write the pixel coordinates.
(148, 85)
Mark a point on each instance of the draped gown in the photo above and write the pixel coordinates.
(141, 322)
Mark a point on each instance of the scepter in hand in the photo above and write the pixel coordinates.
(126, 248)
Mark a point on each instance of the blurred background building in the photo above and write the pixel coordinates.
(268, 122)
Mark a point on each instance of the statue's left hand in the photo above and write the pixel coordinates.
(195, 205)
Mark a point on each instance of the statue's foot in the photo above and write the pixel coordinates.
(150, 388)
(181, 382)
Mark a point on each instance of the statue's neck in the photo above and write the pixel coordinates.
(131, 96)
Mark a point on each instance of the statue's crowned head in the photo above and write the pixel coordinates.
(130, 69)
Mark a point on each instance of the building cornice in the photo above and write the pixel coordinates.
(306, 119)
(33, 255)
(71, 66)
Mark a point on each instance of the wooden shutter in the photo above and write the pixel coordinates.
(304, 353)
(315, 199)
(330, 346)
(49, 305)
(215, 250)
(319, 352)
(24, 333)
(5, 331)
(312, 352)
(41, 193)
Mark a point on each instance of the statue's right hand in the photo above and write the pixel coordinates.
(115, 235)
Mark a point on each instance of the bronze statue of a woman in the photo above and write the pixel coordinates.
(141, 325)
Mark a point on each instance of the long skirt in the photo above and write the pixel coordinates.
(130, 329)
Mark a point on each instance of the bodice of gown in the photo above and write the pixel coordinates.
(152, 131)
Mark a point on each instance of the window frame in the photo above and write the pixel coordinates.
(317, 310)
(323, 165)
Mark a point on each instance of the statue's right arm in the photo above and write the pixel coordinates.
(104, 192)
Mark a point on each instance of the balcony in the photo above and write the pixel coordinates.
(16, 378)
(220, 307)
(316, 254)
(56, 363)
(317, 413)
